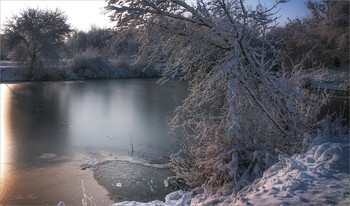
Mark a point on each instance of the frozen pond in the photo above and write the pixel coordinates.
(47, 127)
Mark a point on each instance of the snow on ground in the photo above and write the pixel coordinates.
(333, 79)
(319, 176)
(10, 72)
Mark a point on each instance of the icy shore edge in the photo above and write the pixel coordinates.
(320, 176)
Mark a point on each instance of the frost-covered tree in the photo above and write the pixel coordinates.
(3, 49)
(239, 115)
(77, 42)
(323, 37)
(95, 39)
(35, 37)
(99, 38)
(331, 20)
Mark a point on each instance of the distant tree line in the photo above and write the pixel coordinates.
(319, 39)
(101, 41)
(40, 39)
(47, 48)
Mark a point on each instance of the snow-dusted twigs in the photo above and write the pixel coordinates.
(236, 105)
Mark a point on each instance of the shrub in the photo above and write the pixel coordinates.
(87, 65)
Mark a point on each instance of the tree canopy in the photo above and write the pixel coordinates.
(35, 37)
(319, 39)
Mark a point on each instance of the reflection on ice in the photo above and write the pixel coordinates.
(48, 155)
(45, 125)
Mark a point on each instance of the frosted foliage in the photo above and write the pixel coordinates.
(96, 39)
(239, 114)
(35, 38)
(88, 65)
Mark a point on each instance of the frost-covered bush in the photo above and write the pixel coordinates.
(143, 70)
(90, 65)
(49, 74)
(240, 113)
(21, 73)
(121, 62)
(135, 68)
(120, 73)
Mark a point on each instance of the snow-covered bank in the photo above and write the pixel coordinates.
(8, 72)
(320, 176)
(336, 79)
(81, 69)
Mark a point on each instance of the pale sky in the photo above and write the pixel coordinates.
(81, 14)
(84, 13)
(292, 9)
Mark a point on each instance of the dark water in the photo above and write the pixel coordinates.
(48, 123)
(126, 181)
